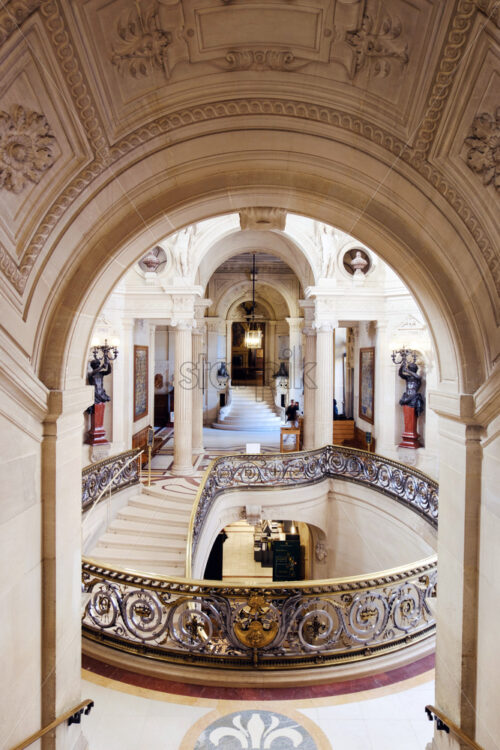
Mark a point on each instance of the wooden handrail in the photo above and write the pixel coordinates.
(448, 726)
(75, 712)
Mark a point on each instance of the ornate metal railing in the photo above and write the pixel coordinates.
(272, 626)
(269, 626)
(401, 482)
(112, 470)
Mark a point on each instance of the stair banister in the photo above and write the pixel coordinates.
(110, 483)
(445, 724)
(72, 716)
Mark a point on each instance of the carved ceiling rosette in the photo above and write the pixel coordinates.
(26, 148)
(483, 156)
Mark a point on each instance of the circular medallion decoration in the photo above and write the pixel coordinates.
(255, 729)
(357, 262)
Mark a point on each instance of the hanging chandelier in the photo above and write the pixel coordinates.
(253, 336)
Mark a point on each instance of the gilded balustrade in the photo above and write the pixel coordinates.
(285, 626)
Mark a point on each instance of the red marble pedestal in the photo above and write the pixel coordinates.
(409, 438)
(97, 434)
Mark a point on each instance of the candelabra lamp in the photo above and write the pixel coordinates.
(100, 366)
(411, 400)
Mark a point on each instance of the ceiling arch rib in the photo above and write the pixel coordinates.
(232, 176)
(275, 243)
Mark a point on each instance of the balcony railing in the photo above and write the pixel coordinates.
(259, 472)
(272, 626)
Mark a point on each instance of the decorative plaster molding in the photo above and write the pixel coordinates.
(483, 156)
(143, 43)
(411, 324)
(321, 551)
(262, 59)
(71, 67)
(261, 217)
(244, 107)
(376, 43)
(14, 14)
(454, 48)
(490, 8)
(26, 148)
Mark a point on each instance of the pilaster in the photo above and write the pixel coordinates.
(61, 559)
(458, 553)
(323, 417)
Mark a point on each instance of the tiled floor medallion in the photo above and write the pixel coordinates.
(255, 730)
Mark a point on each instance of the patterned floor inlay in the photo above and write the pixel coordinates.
(258, 730)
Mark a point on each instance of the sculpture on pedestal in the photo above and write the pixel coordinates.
(100, 367)
(412, 401)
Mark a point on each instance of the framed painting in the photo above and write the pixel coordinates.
(140, 382)
(367, 384)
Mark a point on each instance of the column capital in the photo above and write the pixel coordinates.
(215, 324)
(184, 325)
(295, 323)
(309, 330)
(69, 402)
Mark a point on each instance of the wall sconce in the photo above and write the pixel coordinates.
(281, 377)
(222, 375)
(104, 352)
(404, 356)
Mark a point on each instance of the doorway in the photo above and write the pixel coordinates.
(248, 365)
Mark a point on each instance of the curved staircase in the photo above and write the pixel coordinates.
(150, 532)
(252, 408)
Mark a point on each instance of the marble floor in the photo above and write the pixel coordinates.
(129, 717)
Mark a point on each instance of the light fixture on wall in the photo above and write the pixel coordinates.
(253, 336)
(104, 352)
(404, 356)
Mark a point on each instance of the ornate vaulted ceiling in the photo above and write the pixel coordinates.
(89, 87)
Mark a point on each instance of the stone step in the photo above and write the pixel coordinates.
(163, 519)
(134, 558)
(245, 427)
(180, 509)
(131, 526)
(109, 540)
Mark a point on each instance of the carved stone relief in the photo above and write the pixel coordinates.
(321, 551)
(14, 14)
(143, 43)
(483, 156)
(377, 43)
(262, 217)
(262, 59)
(26, 148)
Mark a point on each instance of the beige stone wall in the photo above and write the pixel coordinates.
(21, 565)
(488, 646)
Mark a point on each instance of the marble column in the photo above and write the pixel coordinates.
(61, 561)
(270, 343)
(151, 374)
(122, 387)
(183, 405)
(310, 386)
(229, 343)
(323, 407)
(459, 579)
(295, 361)
(197, 392)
